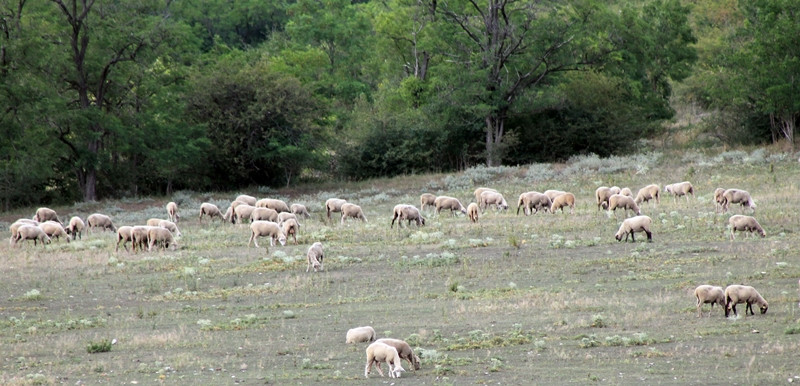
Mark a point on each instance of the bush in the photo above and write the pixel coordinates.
(101, 346)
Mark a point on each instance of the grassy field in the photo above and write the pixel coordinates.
(512, 299)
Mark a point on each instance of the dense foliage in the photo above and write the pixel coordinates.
(106, 98)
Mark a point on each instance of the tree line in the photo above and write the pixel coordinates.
(111, 98)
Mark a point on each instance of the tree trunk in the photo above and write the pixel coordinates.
(495, 125)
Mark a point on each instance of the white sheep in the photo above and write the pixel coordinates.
(46, 214)
(381, 352)
(102, 221)
(290, 228)
(172, 211)
(472, 212)
(562, 200)
(615, 189)
(249, 200)
(404, 349)
(161, 237)
(624, 203)
(634, 224)
(264, 214)
(737, 196)
(648, 193)
(532, 202)
(230, 215)
(283, 216)
(626, 192)
(353, 211)
(552, 193)
(602, 194)
(493, 198)
(709, 294)
(360, 334)
(718, 192)
(743, 223)
(679, 189)
(14, 228)
(277, 205)
(736, 294)
(427, 199)
(140, 237)
(452, 203)
(75, 227)
(333, 205)
(124, 235)
(210, 210)
(31, 232)
(171, 226)
(241, 212)
(266, 229)
(480, 191)
(406, 212)
(315, 256)
(54, 230)
(300, 209)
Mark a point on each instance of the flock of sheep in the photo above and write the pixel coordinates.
(275, 219)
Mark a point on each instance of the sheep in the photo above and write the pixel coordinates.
(452, 203)
(124, 235)
(382, 352)
(54, 230)
(745, 224)
(172, 212)
(162, 237)
(264, 214)
(75, 227)
(46, 214)
(737, 196)
(532, 202)
(266, 228)
(283, 216)
(624, 203)
(408, 212)
(229, 214)
(566, 199)
(100, 220)
(334, 205)
(648, 193)
(615, 189)
(290, 227)
(404, 350)
(354, 211)
(718, 192)
(241, 212)
(602, 194)
(493, 198)
(278, 205)
(736, 294)
(315, 256)
(678, 189)
(14, 228)
(552, 194)
(634, 224)
(427, 199)
(31, 232)
(472, 212)
(360, 334)
(480, 191)
(157, 222)
(140, 236)
(300, 209)
(249, 200)
(626, 192)
(709, 294)
(210, 210)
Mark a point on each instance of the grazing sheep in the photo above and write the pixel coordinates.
(493, 198)
(404, 350)
(736, 294)
(54, 230)
(566, 199)
(452, 203)
(472, 212)
(249, 200)
(615, 189)
(532, 202)
(382, 352)
(161, 237)
(743, 223)
(75, 227)
(718, 192)
(241, 212)
(626, 192)
(210, 210)
(290, 227)
(266, 228)
(300, 209)
(171, 226)
(102, 221)
(552, 194)
(230, 214)
(140, 237)
(31, 232)
(283, 216)
(46, 214)
(264, 214)
(737, 196)
(124, 235)
(14, 228)
(406, 212)
(622, 202)
(334, 205)
(480, 191)
(277, 205)
(427, 199)
(315, 256)
(360, 334)
(602, 194)
(632, 225)
(172, 212)
(709, 294)
(678, 189)
(354, 211)
(648, 193)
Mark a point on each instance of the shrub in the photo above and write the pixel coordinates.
(101, 346)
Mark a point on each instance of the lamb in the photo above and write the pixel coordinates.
(452, 203)
(315, 256)
(736, 294)
(75, 227)
(54, 230)
(172, 212)
(745, 224)
(602, 194)
(46, 214)
(360, 334)
(162, 237)
(552, 194)
(622, 202)
(334, 205)
(140, 236)
(264, 214)
(718, 192)
(404, 350)
(124, 235)
(249, 200)
(266, 228)
(210, 210)
(382, 352)
(406, 212)
(283, 216)
(277, 205)
(31, 232)
(480, 191)
(300, 209)
(493, 198)
(737, 196)
(626, 192)
(354, 211)
(290, 227)
(648, 193)
(632, 225)
(532, 202)
(472, 212)
(566, 199)
(14, 228)
(100, 220)
(427, 199)
(684, 188)
(709, 294)
(241, 212)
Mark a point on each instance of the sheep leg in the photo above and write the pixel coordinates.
(649, 235)
(749, 307)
